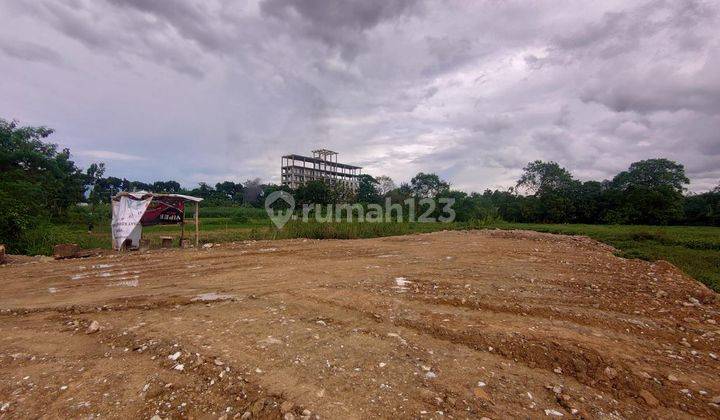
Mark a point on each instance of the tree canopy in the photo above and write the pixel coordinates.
(428, 185)
(544, 177)
(37, 181)
(652, 174)
(368, 189)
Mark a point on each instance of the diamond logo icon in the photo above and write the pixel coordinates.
(279, 216)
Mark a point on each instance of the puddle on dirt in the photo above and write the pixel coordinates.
(102, 266)
(126, 283)
(401, 284)
(212, 296)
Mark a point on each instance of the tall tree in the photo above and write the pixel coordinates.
(172, 187)
(540, 177)
(140, 186)
(314, 192)
(554, 191)
(385, 184)
(428, 185)
(36, 180)
(230, 190)
(650, 192)
(652, 174)
(367, 189)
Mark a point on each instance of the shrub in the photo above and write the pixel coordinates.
(40, 239)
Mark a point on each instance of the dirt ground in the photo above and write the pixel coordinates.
(449, 324)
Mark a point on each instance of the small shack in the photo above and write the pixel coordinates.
(133, 210)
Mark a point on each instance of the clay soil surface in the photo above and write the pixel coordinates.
(444, 325)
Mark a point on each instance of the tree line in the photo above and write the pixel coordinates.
(651, 192)
(41, 185)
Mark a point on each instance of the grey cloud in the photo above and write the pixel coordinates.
(430, 92)
(192, 21)
(614, 34)
(494, 124)
(29, 51)
(563, 119)
(624, 31)
(644, 99)
(660, 90)
(470, 90)
(133, 28)
(555, 141)
(171, 57)
(79, 24)
(711, 147)
(448, 54)
(534, 62)
(339, 25)
(343, 14)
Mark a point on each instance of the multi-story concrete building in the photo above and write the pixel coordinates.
(296, 170)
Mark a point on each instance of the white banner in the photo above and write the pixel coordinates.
(126, 215)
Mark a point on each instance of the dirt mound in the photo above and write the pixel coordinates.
(465, 324)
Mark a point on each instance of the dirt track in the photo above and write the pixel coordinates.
(450, 324)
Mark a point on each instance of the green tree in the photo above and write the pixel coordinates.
(589, 202)
(107, 187)
(94, 174)
(652, 174)
(400, 194)
(703, 209)
(230, 190)
(140, 186)
(543, 177)
(367, 189)
(314, 192)
(278, 204)
(650, 192)
(385, 184)
(37, 182)
(172, 187)
(428, 185)
(554, 191)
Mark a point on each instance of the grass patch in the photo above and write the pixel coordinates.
(345, 230)
(227, 212)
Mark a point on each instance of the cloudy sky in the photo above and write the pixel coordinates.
(472, 90)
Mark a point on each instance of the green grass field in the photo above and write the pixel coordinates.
(696, 250)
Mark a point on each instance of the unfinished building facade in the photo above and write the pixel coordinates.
(296, 170)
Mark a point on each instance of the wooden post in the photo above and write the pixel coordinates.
(182, 227)
(197, 224)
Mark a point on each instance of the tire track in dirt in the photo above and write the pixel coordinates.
(218, 383)
(586, 365)
(309, 313)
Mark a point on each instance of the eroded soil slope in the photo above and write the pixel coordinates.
(449, 324)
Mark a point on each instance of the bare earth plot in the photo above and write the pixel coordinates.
(450, 324)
